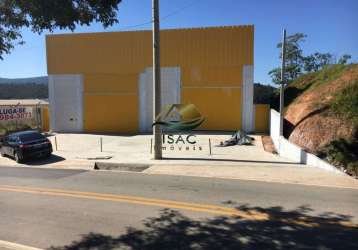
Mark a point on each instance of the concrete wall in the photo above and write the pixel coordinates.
(275, 128)
(211, 63)
(248, 118)
(291, 151)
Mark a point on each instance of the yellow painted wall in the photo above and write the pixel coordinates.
(211, 62)
(111, 113)
(215, 105)
(110, 103)
(45, 118)
(262, 118)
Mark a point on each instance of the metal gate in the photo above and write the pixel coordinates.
(66, 103)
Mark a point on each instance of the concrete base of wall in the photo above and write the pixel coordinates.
(293, 152)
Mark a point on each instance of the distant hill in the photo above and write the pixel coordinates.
(264, 94)
(34, 80)
(24, 88)
(23, 91)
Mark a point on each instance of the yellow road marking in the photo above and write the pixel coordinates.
(212, 209)
(138, 200)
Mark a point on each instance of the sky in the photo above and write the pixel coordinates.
(330, 25)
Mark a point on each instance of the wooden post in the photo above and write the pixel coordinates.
(56, 143)
(282, 85)
(151, 145)
(157, 133)
(209, 146)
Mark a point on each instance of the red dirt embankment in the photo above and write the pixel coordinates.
(313, 123)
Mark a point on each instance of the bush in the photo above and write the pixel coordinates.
(352, 168)
(346, 102)
(342, 153)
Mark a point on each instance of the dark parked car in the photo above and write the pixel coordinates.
(24, 145)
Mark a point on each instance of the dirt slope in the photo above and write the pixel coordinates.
(322, 115)
(315, 114)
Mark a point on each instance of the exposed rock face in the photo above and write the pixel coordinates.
(318, 130)
(313, 124)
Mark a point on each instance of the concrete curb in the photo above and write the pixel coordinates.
(52, 167)
(215, 171)
(71, 164)
(6, 245)
(131, 167)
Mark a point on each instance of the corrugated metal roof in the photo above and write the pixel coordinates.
(150, 30)
(125, 53)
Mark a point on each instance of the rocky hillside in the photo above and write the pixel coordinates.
(322, 114)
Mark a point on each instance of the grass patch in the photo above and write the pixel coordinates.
(311, 81)
(345, 103)
(292, 92)
(328, 74)
(342, 153)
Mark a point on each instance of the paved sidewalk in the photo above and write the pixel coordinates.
(81, 151)
(135, 149)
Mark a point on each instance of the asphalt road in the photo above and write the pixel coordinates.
(74, 209)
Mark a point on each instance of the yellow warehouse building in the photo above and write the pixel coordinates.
(102, 82)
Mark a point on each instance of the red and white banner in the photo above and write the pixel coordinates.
(15, 113)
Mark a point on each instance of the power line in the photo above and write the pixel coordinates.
(135, 26)
(180, 9)
(173, 13)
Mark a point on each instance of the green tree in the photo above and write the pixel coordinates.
(294, 58)
(40, 15)
(323, 59)
(297, 63)
(344, 59)
(316, 61)
(310, 64)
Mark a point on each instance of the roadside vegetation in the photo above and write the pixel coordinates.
(321, 103)
(264, 94)
(344, 152)
(312, 80)
(345, 102)
(298, 64)
(322, 108)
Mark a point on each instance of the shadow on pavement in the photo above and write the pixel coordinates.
(295, 229)
(43, 161)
